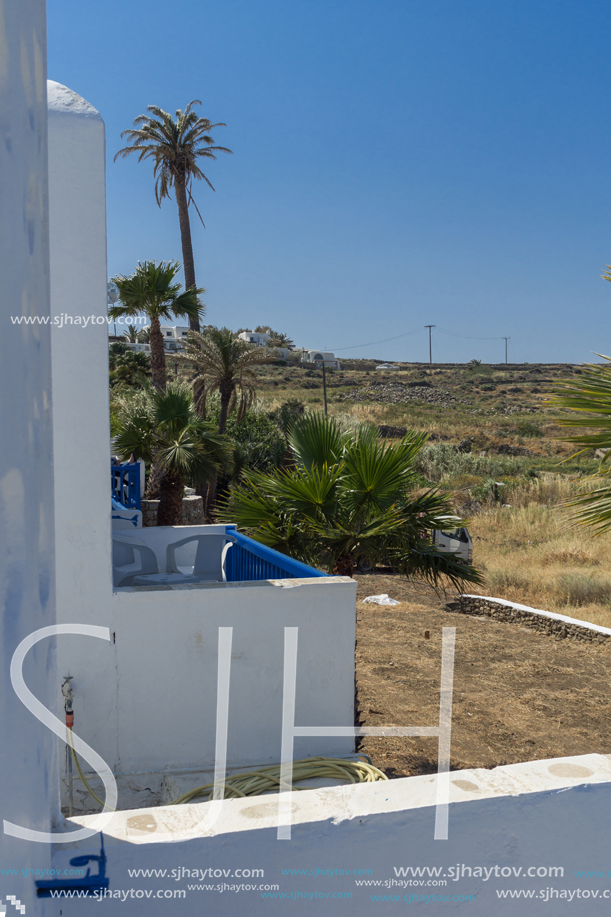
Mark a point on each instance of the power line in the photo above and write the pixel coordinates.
(384, 341)
(396, 337)
(468, 337)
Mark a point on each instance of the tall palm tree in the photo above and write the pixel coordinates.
(151, 290)
(175, 146)
(165, 431)
(349, 496)
(221, 363)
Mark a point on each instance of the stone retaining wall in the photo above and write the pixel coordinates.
(544, 622)
(192, 511)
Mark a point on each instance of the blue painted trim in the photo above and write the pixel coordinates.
(248, 560)
(125, 484)
(87, 886)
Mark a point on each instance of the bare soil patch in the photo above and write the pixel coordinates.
(518, 695)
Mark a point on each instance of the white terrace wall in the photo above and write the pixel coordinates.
(27, 595)
(147, 702)
(549, 817)
(77, 204)
(77, 219)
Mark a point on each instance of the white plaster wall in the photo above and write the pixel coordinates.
(551, 813)
(77, 222)
(27, 768)
(162, 715)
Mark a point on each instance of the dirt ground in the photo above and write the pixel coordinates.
(518, 695)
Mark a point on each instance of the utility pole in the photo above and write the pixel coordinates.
(324, 384)
(506, 339)
(430, 344)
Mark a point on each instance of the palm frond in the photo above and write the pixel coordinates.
(316, 440)
(174, 144)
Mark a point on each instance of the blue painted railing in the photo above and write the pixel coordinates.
(125, 484)
(249, 560)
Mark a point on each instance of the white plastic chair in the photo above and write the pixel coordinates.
(209, 564)
(123, 573)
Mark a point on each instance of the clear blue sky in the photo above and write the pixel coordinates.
(396, 163)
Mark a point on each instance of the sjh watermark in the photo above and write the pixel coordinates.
(14, 900)
(289, 732)
(63, 320)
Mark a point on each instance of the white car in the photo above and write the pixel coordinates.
(455, 541)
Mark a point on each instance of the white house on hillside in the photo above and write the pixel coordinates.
(320, 356)
(174, 336)
(261, 338)
(174, 333)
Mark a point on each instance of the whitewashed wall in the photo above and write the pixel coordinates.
(77, 222)
(77, 218)
(27, 773)
(147, 702)
(543, 815)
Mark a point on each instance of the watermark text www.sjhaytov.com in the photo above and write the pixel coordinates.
(63, 320)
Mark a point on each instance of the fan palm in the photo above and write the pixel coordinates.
(350, 496)
(175, 146)
(589, 397)
(151, 290)
(165, 430)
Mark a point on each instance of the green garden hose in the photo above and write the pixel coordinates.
(82, 776)
(253, 783)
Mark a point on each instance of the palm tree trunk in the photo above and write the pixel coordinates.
(157, 354)
(187, 245)
(169, 511)
(344, 566)
(211, 493)
(153, 483)
(225, 399)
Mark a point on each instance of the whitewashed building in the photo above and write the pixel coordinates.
(321, 357)
(261, 338)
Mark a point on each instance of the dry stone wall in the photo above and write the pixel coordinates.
(545, 622)
(192, 511)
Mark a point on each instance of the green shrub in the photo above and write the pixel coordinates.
(443, 461)
(262, 445)
(528, 428)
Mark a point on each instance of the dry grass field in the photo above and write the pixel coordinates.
(530, 553)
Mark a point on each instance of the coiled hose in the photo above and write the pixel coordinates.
(253, 783)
